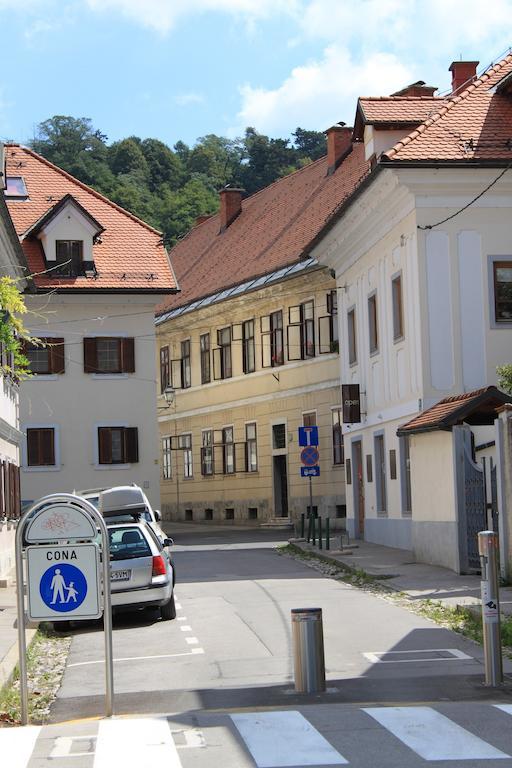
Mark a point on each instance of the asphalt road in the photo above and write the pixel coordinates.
(400, 689)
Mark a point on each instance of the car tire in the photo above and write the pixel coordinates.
(168, 610)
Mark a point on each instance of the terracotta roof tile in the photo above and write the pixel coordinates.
(130, 256)
(398, 109)
(452, 410)
(273, 230)
(474, 126)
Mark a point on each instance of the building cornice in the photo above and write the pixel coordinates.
(10, 433)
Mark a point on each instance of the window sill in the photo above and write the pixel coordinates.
(398, 339)
(102, 376)
(54, 468)
(103, 467)
(44, 377)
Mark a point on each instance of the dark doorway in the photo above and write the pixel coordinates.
(280, 487)
(357, 463)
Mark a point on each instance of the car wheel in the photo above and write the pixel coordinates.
(168, 610)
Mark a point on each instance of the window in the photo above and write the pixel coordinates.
(10, 506)
(47, 357)
(222, 355)
(228, 452)
(166, 458)
(118, 445)
(352, 342)
(328, 340)
(248, 350)
(372, 323)
(279, 436)
(369, 468)
(185, 443)
(380, 472)
(69, 258)
(165, 377)
(392, 464)
(41, 447)
(207, 453)
(338, 453)
(309, 419)
(109, 355)
(186, 375)
(272, 349)
(301, 331)
(204, 342)
(251, 448)
(398, 319)
(15, 187)
(502, 271)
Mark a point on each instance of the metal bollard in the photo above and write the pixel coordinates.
(308, 650)
(319, 532)
(310, 529)
(327, 534)
(488, 551)
(302, 525)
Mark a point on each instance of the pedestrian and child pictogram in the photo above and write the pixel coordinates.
(63, 588)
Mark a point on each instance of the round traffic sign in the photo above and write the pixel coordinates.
(63, 587)
(309, 456)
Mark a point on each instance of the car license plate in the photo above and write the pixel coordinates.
(120, 575)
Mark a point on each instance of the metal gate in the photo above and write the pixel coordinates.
(475, 507)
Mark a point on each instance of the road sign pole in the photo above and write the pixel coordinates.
(310, 496)
(488, 551)
(22, 640)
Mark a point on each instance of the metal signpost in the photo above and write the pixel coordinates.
(488, 551)
(309, 456)
(68, 574)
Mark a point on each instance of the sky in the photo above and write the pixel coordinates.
(180, 69)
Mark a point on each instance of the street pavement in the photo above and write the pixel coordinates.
(215, 686)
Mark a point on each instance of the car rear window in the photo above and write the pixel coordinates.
(127, 543)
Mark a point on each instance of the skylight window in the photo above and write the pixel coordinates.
(16, 188)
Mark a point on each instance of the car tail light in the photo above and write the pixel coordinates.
(158, 566)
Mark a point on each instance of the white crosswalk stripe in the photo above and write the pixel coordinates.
(432, 735)
(17, 744)
(281, 739)
(136, 743)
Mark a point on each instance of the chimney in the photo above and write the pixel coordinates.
(230, 205)
(339, 144)
(463, 73)
(419, 88)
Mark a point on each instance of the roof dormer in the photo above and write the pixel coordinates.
(67, 233)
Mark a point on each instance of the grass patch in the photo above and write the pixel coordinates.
(46, 659)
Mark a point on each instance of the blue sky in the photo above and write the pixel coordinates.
(179, 69)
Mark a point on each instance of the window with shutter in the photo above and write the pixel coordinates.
(301, 331)
(204, 341)
(118, 445)
(46, 357)
(105, 354)
(41, 447)
(164, 369)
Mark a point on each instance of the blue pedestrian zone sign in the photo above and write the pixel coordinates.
(308, 436)
(63, 588)
(310, 471)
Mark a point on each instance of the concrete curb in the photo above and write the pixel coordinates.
(9, 662)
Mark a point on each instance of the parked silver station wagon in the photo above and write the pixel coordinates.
(141, 570)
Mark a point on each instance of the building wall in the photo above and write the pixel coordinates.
(451, 342)
(75, 403)
(268, 396)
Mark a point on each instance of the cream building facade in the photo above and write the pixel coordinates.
(423, 283)
(230, 449)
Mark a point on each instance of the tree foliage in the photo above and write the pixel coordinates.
(12, 330)
(505, 377)
(170, 187)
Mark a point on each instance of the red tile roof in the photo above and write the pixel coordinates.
(474, 126)
(456, 409)
(130, 256)
(398, 109)
(274, 230)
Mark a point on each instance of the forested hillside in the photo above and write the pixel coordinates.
(170, 187)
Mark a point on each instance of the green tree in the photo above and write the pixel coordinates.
(309, 144)
(165, 166)
(126, 156)
(505, 377)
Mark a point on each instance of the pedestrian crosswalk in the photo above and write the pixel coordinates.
(461, 734)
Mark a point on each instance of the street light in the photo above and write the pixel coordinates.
(169, 395)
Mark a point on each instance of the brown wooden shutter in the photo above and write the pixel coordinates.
(128, 355)
(131, 445)
(56, 355)
(90, 356)
(47, 447)
(17, 492)
(33, 459)
(104, 445)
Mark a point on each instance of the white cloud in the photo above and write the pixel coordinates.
(163, 15)
(320, 93)
(184, 99)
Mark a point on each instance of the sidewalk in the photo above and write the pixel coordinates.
(417, 580)
(9, 632)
